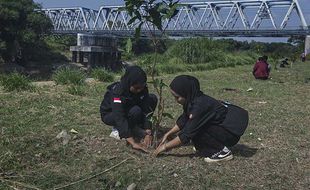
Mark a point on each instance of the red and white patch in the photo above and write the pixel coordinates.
(117, 100)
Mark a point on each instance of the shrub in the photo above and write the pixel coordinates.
(175, 61)
(102, 75)
(148, 70)
(170, 68)
(203, 67)
(69, 76)
(16, 81)
(79, 90)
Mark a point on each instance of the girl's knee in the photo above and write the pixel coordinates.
(135, 113)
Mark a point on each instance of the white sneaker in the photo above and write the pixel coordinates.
(115, 134)
(222, 155)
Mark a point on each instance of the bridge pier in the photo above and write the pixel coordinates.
(100, 51)
(74, 57)
(307, 45)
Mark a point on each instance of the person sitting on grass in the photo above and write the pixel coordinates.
(261, 69)
(303, 57)
(284, 63)
(211, 125)
(126, 106)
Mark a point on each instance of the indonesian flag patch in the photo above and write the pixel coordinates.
(117, 100)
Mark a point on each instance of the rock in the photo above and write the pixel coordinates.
(73, 131)
(175, 175)
(74, 137)
(132, 186)
(64, 136)
(262, 102)
(90, 80)
(249, 89)
(118, 184)
(44, 83)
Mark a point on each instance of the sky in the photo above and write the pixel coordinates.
(95, 4)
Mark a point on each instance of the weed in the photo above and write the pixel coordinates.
(69, 76)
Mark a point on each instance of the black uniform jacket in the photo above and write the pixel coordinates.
(119, 103)
(205, 111)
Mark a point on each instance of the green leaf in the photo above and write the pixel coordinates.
(132, 20)
(156, 18)
(168, 115)
(138, 30)
(162, 84)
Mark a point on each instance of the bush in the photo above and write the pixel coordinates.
(102, 75)
(69, 76)
(148, 69)
(203, 67)
(170, 68)
(175, 60)
(79, 90)
(16, 81)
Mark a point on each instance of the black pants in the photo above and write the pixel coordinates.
(212, 140)
(137, 120)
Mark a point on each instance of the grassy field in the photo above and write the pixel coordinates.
(274, 153)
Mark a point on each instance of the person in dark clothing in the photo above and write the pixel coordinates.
(211, 125)
(127, 105)
(261, 69)
(303, 57)
(284, 63)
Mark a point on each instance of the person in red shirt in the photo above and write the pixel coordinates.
(261, 68)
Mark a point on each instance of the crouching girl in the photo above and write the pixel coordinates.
(126, 105)
(211, 125)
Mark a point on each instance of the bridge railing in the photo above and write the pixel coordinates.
(232, 15)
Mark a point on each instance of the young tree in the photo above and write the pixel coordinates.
(151, 15)
(21, 29)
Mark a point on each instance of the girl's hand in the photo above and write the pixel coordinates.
(138, 146)
(164, 139)
(159, 149)
(147, 141)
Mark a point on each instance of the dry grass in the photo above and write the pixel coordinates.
(273, 154)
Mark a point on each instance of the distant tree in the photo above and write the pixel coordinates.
(298, 41)
(21, 29)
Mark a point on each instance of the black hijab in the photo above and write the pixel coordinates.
(186, 86)
(133, 75)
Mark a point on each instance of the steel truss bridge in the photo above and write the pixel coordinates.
(280, 18)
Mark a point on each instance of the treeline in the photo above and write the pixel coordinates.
(24, 34)
(203, 53)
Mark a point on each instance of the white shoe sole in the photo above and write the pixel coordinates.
(115, 135)
(208, 160)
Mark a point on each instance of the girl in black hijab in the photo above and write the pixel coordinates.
(211, 125)
(126, 105)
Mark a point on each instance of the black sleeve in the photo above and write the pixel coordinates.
(199, 119)
(181, 121)
(146, 109)
(120, 116)
(143, 104)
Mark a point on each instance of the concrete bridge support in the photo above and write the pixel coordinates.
(99, 51)
(307, 45)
